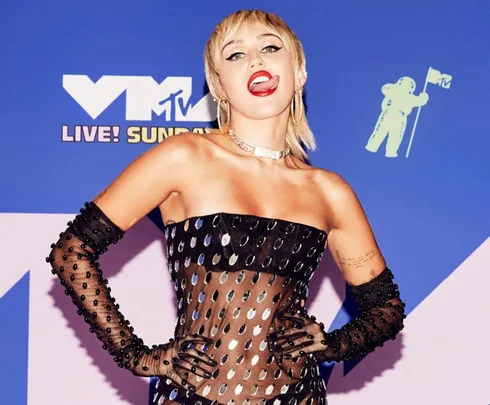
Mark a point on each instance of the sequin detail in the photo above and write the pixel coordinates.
(234, 275)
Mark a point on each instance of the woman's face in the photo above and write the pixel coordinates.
(252, 55)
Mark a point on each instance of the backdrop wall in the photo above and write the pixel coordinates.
(397, 97)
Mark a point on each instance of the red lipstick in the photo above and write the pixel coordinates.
(264, 89)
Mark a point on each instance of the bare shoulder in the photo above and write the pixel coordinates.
(338, 195)
(203, 146)
(188, 148)
(166, 168)
(332, 185)
(351, 239)
(182, 146)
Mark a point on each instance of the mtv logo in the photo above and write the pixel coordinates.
(443, 80)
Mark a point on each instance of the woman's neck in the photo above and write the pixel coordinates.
(268, 133)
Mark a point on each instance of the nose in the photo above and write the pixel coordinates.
(255, 59)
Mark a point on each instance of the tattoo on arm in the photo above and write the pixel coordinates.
(356, 262)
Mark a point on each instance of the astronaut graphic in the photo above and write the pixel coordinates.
(397, 104)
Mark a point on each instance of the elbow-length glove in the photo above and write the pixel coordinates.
(73, 259)
(381, 318)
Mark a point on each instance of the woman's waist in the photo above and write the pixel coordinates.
(245, 356)
(240, 332)
(251, 374)
(251, 316)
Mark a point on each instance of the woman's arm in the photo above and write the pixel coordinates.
(354, 249)
(149, 180)
(351, 240)
(143, 185)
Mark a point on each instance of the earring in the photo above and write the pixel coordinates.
(297, 107)
(220, 124)
(218, 118)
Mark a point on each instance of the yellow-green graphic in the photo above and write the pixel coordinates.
(398, 102)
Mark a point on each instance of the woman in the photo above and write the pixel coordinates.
(247, 221)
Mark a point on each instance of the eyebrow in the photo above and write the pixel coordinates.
(240, 41)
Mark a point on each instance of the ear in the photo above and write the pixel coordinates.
(301, 78)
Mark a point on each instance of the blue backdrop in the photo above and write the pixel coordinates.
(83, 83)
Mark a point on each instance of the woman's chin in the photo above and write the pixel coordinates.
(263, 115)
(264, 110)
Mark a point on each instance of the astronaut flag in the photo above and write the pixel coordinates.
(435, 77)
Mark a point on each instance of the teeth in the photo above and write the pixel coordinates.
(258, 80)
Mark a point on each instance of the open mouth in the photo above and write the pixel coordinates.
(262, 83)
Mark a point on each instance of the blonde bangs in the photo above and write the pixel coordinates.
(232, 23)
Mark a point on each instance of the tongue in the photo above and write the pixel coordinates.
(267, 85)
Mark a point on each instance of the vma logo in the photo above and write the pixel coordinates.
(145, 97)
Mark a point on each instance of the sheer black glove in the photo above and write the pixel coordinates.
(382, 314)
(73, 259)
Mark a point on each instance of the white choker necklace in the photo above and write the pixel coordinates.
(258, 151)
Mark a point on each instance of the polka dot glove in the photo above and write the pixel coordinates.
(382, 314)
(73, 259)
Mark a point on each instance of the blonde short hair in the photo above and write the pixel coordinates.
(296, 134)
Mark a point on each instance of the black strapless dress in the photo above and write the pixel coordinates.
(239, 280)
(234, 275)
